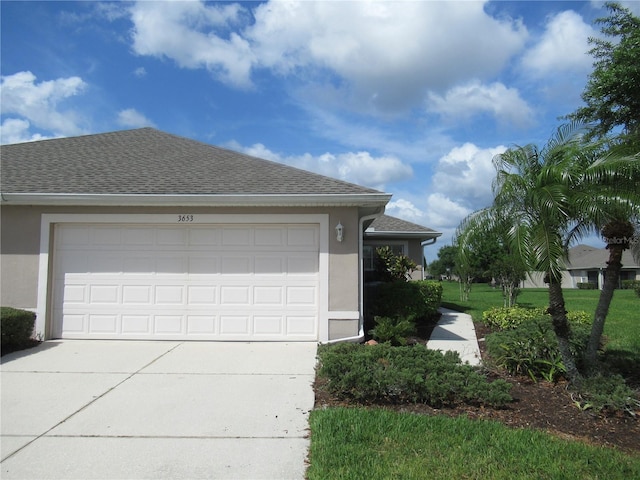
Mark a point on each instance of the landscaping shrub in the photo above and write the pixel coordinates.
(531, 348)
(385, 374)
(391, 267)
(411, 300)
(394, 330)
(510, 317)
(630, 284)
(608, 393)
(17, 326)
(586, 286)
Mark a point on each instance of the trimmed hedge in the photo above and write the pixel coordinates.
(630, 284)
(385, 374)
(586, 286)
(511, 317)
(17, 326)
(410, 300)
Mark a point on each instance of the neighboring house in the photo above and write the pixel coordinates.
(404, 238)
(587, 265)
(141, 234)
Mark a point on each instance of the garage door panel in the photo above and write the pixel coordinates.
(202, 295)
(235, 236)
(268, 325)
(167, 324)
(235, 295)
(240, 282)
(101, 324)
(201, 325)
(301, 325)
(75, 294)
(268, 296)
(169, 295)
(104, 294)
(136, 324)
(237, 325)
(137, 294)
(301, 295)
(201, 265)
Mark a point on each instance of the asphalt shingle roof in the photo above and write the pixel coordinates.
(585, 258)
(387, 223)
(148, 161)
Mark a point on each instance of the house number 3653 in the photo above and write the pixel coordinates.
(185, 218)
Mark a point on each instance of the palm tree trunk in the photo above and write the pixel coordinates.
(612, 274)
(562, 330)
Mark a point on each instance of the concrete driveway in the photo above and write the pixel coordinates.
(127, 409)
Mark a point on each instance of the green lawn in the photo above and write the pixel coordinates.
(379, 444)
(622, 327)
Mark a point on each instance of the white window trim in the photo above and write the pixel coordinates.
(45, 292)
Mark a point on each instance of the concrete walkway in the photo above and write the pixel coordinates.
(179, 410)
(455, 331)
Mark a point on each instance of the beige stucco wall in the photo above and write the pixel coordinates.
(20, 245)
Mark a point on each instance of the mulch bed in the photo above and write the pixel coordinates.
(542, 405)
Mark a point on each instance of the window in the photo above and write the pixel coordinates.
(369, 254)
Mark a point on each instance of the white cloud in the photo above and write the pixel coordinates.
(356, 167)
(187, 32)
(444, 214)
(465, 175)
(460, 184)
(14, 130)
(385, 55)
(39, 103)
(563, 47)
(131, 118)
(405, 209)
(467, 101)
(140, 72)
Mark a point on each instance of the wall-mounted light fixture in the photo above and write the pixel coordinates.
(339, 232)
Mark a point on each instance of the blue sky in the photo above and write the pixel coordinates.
(412, 98)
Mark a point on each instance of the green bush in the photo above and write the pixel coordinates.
(579, 317)
(385, 374)
(586, 286)
(394, 330)
(532, 348)
(630, 284)
(391, 267)
(411, 300)
(606, 393)
(17, 326)
(510, 317)
(637, 289)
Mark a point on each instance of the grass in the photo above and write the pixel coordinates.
(355, 443)
(622, 327)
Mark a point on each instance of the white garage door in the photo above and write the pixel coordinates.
(198, 282)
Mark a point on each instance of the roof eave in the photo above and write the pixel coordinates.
(272, 200)
(396, 234)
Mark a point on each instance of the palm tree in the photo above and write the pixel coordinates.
(533, 196)
(549, 197)
(615, 185)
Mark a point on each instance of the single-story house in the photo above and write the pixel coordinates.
(587, 264)
(142, 234)
(403, 237)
